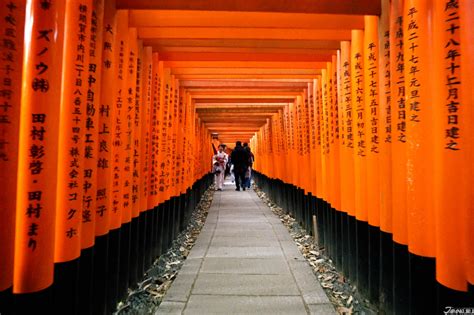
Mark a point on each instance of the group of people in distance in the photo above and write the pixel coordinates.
(240, 163)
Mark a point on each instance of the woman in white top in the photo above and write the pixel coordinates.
(219, 161)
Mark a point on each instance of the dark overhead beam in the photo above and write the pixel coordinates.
(371, 7)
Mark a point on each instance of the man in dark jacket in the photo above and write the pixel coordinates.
(240, 160)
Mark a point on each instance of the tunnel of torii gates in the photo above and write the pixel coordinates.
(358, 112)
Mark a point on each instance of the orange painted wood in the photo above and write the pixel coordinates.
(348, 132)
(170, 18)
(39, 127)
(287, 143)
(146, 109)
(12, 29)
(118, 131)
(245, 64)
(305, 45)
(127, 94)
(244, 71)
(165, 147)
(299, 133)
(155, 135)
(325, 186)
(312, 138)
(72, 123)
(419, 88)
(358, 112)
(107, 118)
(452, 132)
(335, 157)
(387, 110)
(372, 117)
(467, 49)
(297, 77)
(301, 6)
(135, 83)
(399, 145)
(242, 56)
(242, 84)
(307, 54)
(91, 132)
(319, 136)
(341, 133)
(242, 33)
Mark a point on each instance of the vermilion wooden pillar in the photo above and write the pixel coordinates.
(12, 30)
(36, 195)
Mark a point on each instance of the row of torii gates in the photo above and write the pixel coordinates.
(358, 112)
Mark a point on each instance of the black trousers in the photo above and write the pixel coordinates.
(239, 179)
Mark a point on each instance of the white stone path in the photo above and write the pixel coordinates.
(244, 262)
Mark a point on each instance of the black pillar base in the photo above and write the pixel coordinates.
(134, 252)
(142, 236)
(374, 263)
(6, 301)
(66, 287)
(161, 229)
(352, 255)
(124, 266)
(182, 213)
(400, 279)
(165, 226)
(337, 238)
(86, 283)
(34, 303)
(422, 284)
(362, 249)
(113, 270)
(447, 298)
(345, 244)
(99, 290)
(386, 273)
(150, 245)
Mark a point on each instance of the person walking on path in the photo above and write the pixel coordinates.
(240, 160)
(219, 161)
(248, 173)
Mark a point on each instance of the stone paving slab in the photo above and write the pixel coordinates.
(169, 307)
(260, 266)
(181, 288)
(215, 304)
(241, 284)
(244, 252)
(239, 232)
(244, 262)
(244, 241)
(243, 225)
